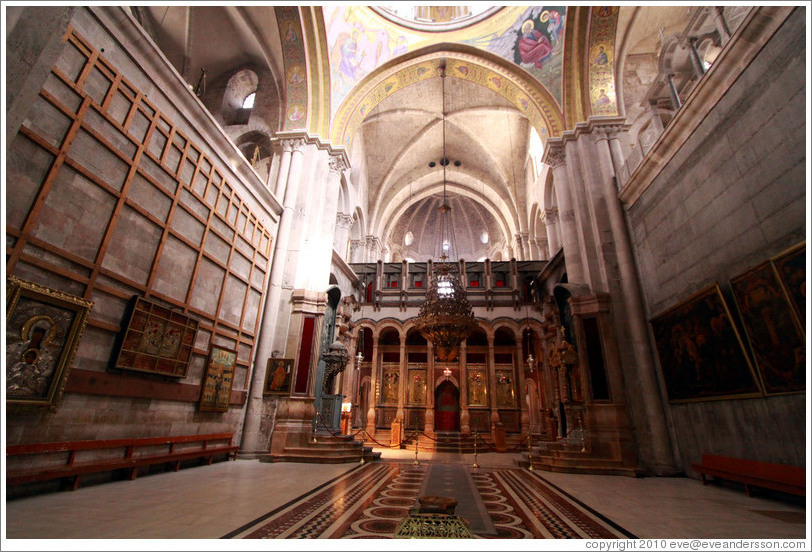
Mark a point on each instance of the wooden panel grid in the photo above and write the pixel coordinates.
(172, 166)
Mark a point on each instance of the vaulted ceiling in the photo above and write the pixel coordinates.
(491, 181)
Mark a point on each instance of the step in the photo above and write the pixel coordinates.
(581, 464)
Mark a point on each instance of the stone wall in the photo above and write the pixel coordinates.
(730, 198)
(121, 185)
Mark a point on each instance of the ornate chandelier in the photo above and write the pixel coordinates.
(446, 318)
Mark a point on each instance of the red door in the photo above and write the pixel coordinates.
(447, 407)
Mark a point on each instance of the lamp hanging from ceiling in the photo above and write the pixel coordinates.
(446, 317)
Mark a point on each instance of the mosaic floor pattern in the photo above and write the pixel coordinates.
(369, 502)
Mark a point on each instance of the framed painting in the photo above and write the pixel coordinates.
(278, 376)
(390, 384)
(791, 268)
(417, 386)
(505, 394)
(156, 340)
(775, 336)
(701, 354)
(477, 387)
(43, 329)
(218, 379)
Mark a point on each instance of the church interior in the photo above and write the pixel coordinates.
(360, 272)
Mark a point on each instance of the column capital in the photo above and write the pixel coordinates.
(344, 220)
(292, 144)
(608, 132)
(550, 216)
(554, 155)
(283, 146)
(337, 164)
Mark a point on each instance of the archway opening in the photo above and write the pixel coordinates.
(447, 407)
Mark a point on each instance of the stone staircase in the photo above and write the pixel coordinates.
(571, 456)
(328, 449)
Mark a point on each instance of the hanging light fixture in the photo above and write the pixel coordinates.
(446, 318)
(531, 360)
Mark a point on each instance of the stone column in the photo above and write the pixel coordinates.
(618, 159)
(341, 238)
(429, 429)
(286, 147)
(374, 393)
(525, 245)
(550, 220)
(465, 416)
(672, 89)
(542, 246)
(253, 441)
(556, 157)
(373, 249)
(492, 382)
(519, 387)
(404, 383)
(647, 389)
(696, 61)
(721, 24)
(327, 228)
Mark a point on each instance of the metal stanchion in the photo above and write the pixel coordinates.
(583, 431)
(416, 441)
(475, 440)
(529, 453)
(315, 422)
(363, 451)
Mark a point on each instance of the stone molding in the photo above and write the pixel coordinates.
(550, 216)
(344, 220)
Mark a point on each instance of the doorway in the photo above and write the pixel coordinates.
(447, 407)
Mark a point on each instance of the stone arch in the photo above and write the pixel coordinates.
(223, 98)
(504, 214)
(256, 147)
(505, 334)
(462, 61)
(479, 337)
(239, 85)
(451, 378)
(384, 327)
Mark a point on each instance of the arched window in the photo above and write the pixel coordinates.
(248, 102)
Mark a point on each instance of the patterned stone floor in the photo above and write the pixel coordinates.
(370, 502)
(193, 508)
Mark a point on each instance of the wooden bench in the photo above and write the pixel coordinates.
(778, 477)
(72, 459)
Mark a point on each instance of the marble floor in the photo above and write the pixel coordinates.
(215, 502)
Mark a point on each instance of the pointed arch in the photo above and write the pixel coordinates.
(465, 62)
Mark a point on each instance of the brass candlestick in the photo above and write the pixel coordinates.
(475, 440)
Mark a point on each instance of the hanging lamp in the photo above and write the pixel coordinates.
(446, 317)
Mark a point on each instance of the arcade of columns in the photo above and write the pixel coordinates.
(602, 294)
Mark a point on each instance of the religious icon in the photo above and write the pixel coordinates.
(390, 385)
(417, 387)
(601, 58)
(216, 392)
(477, 393)
(278, 376)
(533, 46)
(43, 328)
